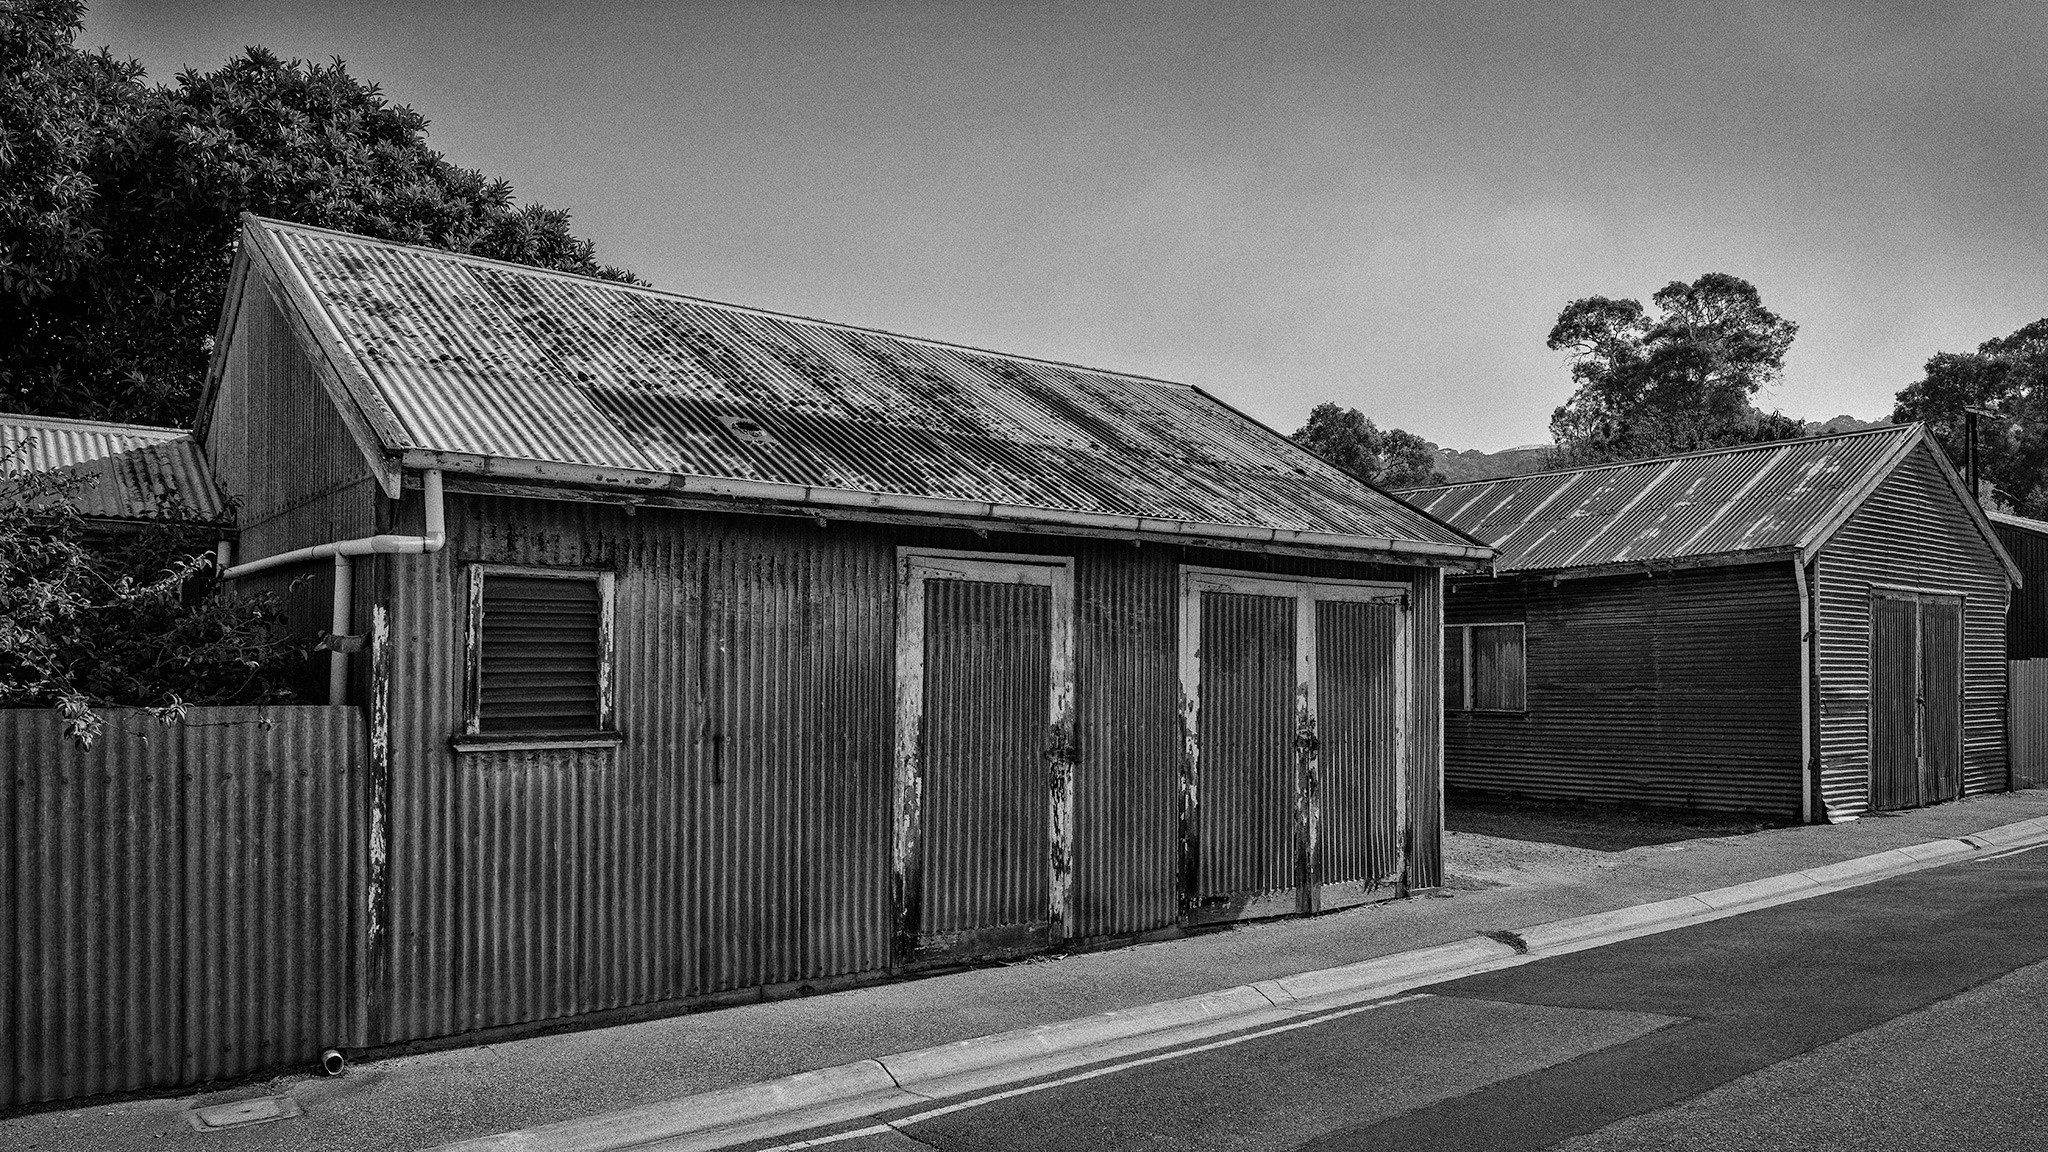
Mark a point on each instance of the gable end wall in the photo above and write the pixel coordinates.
(1912, 532)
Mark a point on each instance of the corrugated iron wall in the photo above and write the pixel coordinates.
(1677, 689)
(282, 451)
(281, 448)
(740, 836)
(1912, 532)
(2029, 726)
(178, 904)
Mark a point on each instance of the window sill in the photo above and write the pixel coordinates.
(534, 741)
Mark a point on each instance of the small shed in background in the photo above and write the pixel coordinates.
(1813, 628)
(2026, 640)
(128, 473)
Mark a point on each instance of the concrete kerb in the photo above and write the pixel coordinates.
(871, 1087)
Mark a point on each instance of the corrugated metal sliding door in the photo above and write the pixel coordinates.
(1361, 731)
(1916, 698)
(1250, 728)
(1295, 699)
(985, 741)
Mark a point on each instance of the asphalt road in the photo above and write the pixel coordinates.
(1904, 1014)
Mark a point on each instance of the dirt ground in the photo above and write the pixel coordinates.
(1494, 841)
(1600, 827)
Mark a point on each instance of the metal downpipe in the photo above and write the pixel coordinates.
(343, 552)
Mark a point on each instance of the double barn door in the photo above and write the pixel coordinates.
(1295, 699)
(1916, 698)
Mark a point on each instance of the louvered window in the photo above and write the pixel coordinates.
(540, 654)
(1485, 668)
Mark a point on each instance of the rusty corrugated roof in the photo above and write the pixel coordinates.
(129, 471)
(495, 363)
(1759, 498)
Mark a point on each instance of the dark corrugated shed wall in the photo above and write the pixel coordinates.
(2026, 628)
(740, 836)
(1913, 532)
(2026, 653)
(1680, 688)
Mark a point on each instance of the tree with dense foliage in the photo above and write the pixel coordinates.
(119, 205)
(1350, 440)
(2006, 376)
(142, 620)
(1675, 379)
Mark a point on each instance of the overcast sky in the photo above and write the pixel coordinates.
(1382, 205)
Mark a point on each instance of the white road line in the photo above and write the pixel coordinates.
(1092, 1073)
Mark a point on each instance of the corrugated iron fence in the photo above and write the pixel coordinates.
(180, 903)
(2029, 723)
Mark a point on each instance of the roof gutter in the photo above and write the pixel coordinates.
(343, 552)
(845, 499)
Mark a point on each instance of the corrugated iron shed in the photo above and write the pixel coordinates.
(130, 471)
(475, 365)
(1766, 498)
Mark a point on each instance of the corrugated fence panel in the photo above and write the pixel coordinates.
(182, 903)
(1679, 689)
(1912, 532)
(2029, 686)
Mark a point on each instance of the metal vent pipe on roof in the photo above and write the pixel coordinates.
(342, 552)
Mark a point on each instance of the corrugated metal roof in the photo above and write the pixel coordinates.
(507, 363)
(2025, 523)
(131, 471)
(1759, 498)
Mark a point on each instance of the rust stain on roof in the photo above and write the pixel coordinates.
(500, 361)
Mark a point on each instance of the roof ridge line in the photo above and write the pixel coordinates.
(63, 421)
(650, 290)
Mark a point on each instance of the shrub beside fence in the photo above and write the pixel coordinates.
(181, 902)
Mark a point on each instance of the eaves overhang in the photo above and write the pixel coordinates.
(856, 504)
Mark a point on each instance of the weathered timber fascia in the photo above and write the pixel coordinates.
(1352, 549)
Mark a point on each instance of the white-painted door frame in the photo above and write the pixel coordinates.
(915, 568)
(1308, 894)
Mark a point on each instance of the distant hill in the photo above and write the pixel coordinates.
(1472, 464)
(1842, 424)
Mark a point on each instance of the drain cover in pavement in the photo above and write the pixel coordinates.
(242, 1113)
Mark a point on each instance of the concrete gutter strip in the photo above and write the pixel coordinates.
(871, 1087)
(846, 1091)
